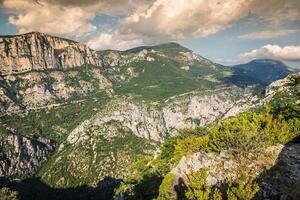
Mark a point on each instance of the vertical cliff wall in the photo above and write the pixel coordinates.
(38, 51)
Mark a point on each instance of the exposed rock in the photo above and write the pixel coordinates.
(282, 181)
(150, 59)
(283, 85)
(223, 167)
(147, 121)
(186, 68)
(37, 51)
(40, 89)
(21, 155)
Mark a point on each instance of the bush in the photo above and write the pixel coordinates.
(166, 190)
(168, 148)
(197, 185)
(192, 144)
(244, 188)
(8, 194)
(251, 132)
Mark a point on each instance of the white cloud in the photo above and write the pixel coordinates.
(69, 18)
(286, 53)
(268, 34)
(166, 20)
(169, 20)
(50, 18)
(144, 21)
(114, 40)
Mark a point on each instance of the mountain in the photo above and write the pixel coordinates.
(80, 117)
(39, 70)
(38, 51)
(252, 155)
(263, 70)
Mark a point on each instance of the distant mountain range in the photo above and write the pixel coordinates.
(263, 70)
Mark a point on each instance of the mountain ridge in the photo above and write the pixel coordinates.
(95, 117)
(264, 70)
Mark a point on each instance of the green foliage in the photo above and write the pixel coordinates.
(285, 105)
(8, 194)
(199, 130)
(251, 132)
(166, 190)
(217, 194)
(192, 144)
(53, 123)
(104, 157)
(197, 185)
(245, 136)
(163, 78)
(168, 148)
(244, 188)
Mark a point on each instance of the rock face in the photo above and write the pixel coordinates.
(21, 155)
(287, 170)
(289, 85)
(37, 51)
(124, 119)
(154, 123)
(39, 89)
(224, 166)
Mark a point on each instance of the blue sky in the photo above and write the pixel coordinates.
(226, 32)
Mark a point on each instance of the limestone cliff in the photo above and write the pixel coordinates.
(38, 51)
(155, 123)
(21, 155)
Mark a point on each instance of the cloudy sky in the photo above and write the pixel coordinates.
(226, 31)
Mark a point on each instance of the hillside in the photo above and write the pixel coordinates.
(253, 155)
(78, 118)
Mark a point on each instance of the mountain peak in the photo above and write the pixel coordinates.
(265, 70)
(268, 61)
(169, 45)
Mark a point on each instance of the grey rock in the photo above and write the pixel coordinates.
(38, 51)
(21, 155)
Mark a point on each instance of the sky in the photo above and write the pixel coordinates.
(225, 31)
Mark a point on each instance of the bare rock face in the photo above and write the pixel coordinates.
(21, 155)
(288, 85)
(37, 51)
(150, 122)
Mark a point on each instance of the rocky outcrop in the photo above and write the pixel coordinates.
(156, 123)
(282, 181)
(21, 155)
(38, 51)
(277, 168)
(35, 90)
(223, 166)
(289, 85)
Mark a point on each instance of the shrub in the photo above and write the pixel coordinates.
(8, 194)
(244, 188)
(168, 148)
(166, 190)
(192, 144)
(197, 185)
